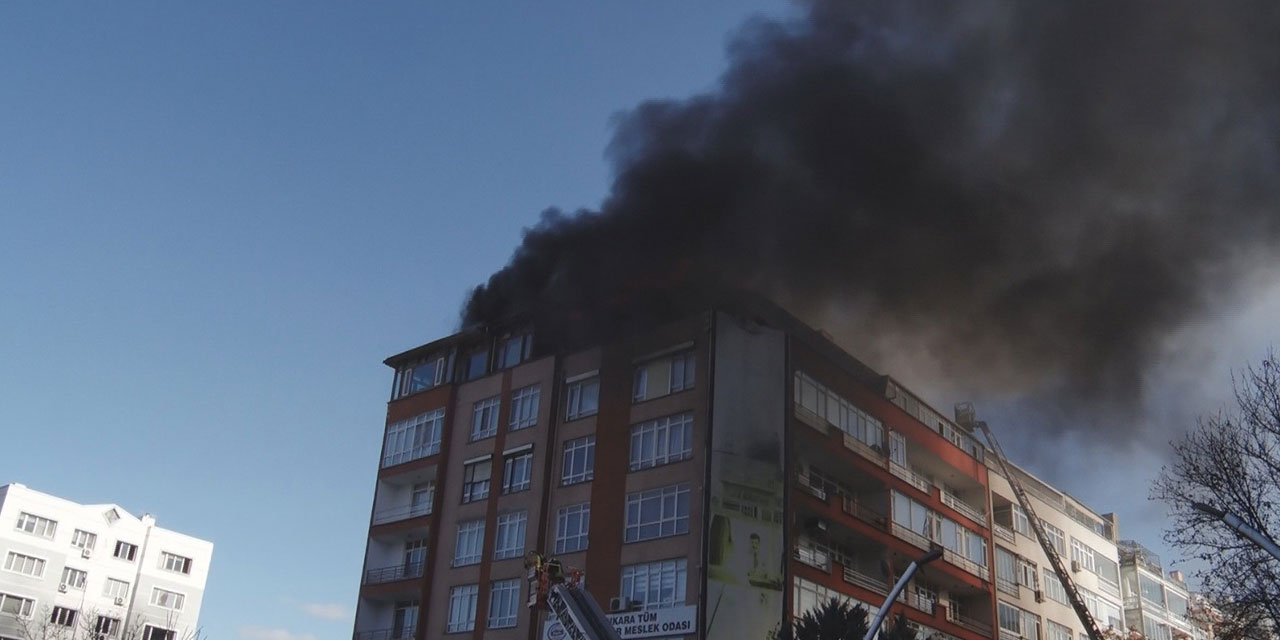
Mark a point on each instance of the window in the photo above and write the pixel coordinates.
(582, 398)
(504, 602)
(517, 470)
(63, 617)
(421, 498)
(417, 437)
(1056, 536)
(125, 551)
(572, 523)
(898, 448)
(174, 562)
(1006, 571)
(16, 605)
(682, 372)
(150, 632)
(663, 376)
(404, 620)
(579, 460)
(111, 515)
(1027, 574)
(477, 364)
(837, 411)
(655, 585)
(1177, 604)
(415, 378)
(24, 564)
(83, 539)
(1019, 622)
(1021, 523)
(1153, 629)
(510, 535)
(661, 441)
(167, 599)
(524, 407)
(475, 480)
(484, 419)
(1081, 553)
(73, 578)
(105, 626)
(657, 513)
(470, 543)
(1053, 588)
(1152, 590)
(462, 608)
(1058, 631)
(514, 350)
(117, 589)
(36, 525)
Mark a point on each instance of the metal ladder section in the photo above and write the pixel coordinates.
(1077, 602)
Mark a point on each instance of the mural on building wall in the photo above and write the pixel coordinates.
(746, 550)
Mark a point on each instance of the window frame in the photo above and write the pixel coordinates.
(509, 528)
(660, 432)
(525, 404)
(131, 547)
(484, 418)
(26, 606)
(40, 526)
(164, 594)
(82, 539)
(473, 489)
(584, 446)
(564, 515)
(458, 605)
(576, 392)
(184, 563)
(108, 592)
(503, 589)
(37, 564)
(470, 533)
(675, 496)
(74, 578)
(630, 576)
(413, 438)
(513, 463)
(63, 616)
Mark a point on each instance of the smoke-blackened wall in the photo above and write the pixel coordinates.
(1032, 193)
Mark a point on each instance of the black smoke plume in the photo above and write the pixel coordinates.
(1034, 194)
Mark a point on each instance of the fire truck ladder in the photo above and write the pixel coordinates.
(965, 413)
(559, 591)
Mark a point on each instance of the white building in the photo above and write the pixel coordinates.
(96, 570)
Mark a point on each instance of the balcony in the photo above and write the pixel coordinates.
(865, 581)
(385, 634)
(395, 514)
(912, 537)
(977, 626)
(964, 509)
(1004, 586)
(911, 477)
(966, 564)
(874, 454)
(1004, 533)
(409, 455)
(394, 573)
(815, 558)
(916, 602)
(863, 512)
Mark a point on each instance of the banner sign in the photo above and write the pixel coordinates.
(653, 623)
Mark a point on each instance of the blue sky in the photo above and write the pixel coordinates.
(216, 220)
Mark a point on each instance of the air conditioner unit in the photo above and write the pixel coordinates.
(621, 604)
(1075, 566)
(85, 552)
(62, 588)
(119, 602)
(1039, 596)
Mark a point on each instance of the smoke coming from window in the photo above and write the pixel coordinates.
(1033, 194)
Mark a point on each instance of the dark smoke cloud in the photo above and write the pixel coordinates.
(1034, 194)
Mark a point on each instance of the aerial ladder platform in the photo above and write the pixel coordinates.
(559, 589)
(967, 416)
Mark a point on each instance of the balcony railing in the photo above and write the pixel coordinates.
(1109, 589)
(1005, 586)
(964, 509)
(806, 483)
(863, 512)
(385, 634)
(863, 449)
(405, 512)
(1004, 533)
(911, 536)
(914, 479)
(1005, 634)
(394, 573)
(408, 455)
(819, 560)
(965, 563)
(981, 628)
(865, 581)
(916, 602)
